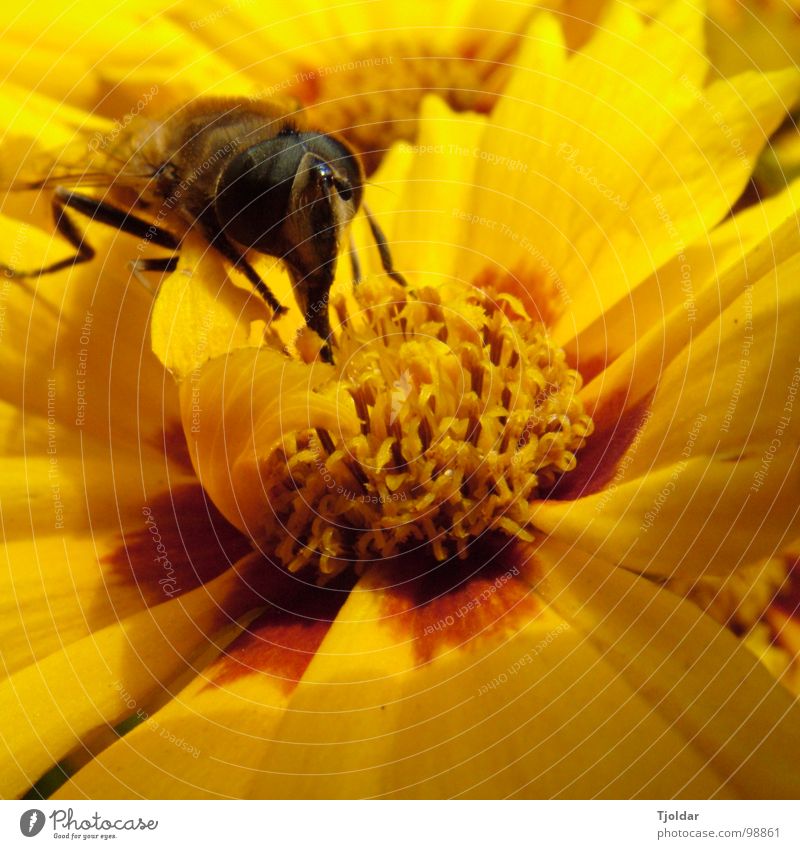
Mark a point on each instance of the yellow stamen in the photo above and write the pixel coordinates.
(468, 413)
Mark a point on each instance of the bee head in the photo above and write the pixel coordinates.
(292, 196)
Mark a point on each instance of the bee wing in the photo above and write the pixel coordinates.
(50, 182)
(89, 179)
(73, 167)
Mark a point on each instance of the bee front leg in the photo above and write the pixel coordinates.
(312, 294)
(95, 210)
(383, 248)
(162, 265)
(355, 265)
(219, 241)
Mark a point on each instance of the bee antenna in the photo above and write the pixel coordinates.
(383, 248)
(381, 187)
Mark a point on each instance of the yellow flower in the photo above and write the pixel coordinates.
(751, 34)
(332, 60)
(741, 35)
(600, 356)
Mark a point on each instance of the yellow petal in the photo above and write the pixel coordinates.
(607, 198)
(577, 126)
(698, 676)
(236, 409)
(688, 184)
(511, 699)
(488, 688)
(728, 395)
(83, 337)
(732, 393)
(49, 707)
(745, 34)
(698, 516)
(430, 216)
(68, 570)
(209, 739)
(92, 58)
(199, 313)
(764, 276)
(676, 286)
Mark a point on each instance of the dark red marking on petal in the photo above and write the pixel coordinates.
(308, 88)
(588, 368)
(535, 288)
(448, 604)
(788, 599)
(750, 196)
(282, 641)
(182, 541)
(616, 427)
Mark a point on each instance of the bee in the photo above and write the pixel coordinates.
(248, 176)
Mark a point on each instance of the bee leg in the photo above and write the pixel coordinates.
(96, 210)
(219, 241)
(383, 248)
(312, 296)
(108, 214)
(164, 265)
(354, 263)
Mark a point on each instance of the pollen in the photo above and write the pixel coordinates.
(467, 412)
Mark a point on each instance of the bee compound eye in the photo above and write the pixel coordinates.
(344, 164)
(255, 188)
(345, 189)
(253, 191)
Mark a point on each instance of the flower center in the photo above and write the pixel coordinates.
(467, 414)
